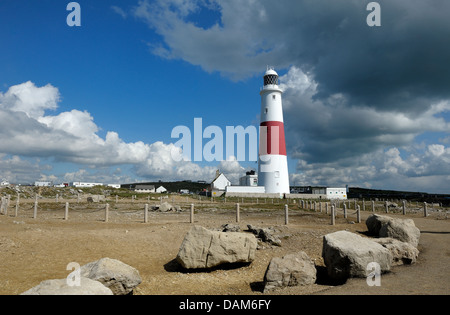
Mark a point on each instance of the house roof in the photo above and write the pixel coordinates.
(149, 187)
(218, 177)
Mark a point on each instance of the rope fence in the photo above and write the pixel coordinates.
(141, 208)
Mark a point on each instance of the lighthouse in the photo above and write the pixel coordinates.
(272, 163)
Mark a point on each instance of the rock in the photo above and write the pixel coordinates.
(347, 255)
(230, 228)
(202, 248)
(291, 270)
(265, 235)
(60, 287)
(96, 198)
(402, 252)
(401, 229)
(165, 206)
(374, 223)
(114, 274)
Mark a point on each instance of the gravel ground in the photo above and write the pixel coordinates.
(33, 250)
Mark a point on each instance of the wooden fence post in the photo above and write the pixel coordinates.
(17, 205)
(333, 213)
(146, 213)
(192, 213)
(286, 214)
(66, 212)
(238, 215)
(35, 209)
(107, 213)
(358, 214)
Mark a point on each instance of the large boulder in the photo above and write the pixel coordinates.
(202, 248)
(402, 253)
(114, 274)
(60, 287)
(291, 270)
(401, 229)
(347, 255)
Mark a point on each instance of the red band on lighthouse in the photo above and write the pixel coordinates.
(271, 138)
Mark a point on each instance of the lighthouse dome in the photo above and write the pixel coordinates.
(270, 77)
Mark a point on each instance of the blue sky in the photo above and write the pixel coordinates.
(364, 106)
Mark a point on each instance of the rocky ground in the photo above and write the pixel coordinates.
(33, 250)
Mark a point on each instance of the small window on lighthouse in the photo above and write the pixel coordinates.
(277, 174)
(274, 97)
(266, 110)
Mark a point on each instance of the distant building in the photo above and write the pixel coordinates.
(85, 185)
(220, 182)
(43, 184)
(161, 190)
(336, 193)
(116, 186)
(250, 179)
(4, 183)
(144, 189)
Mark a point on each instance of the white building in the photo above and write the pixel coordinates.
(43, 184)
(220, 182)
(144, 189)
(337, 193)
(85, 185)
(246, 189)
(250, 179)
(116, 186)
(161, 190)
(4, 182)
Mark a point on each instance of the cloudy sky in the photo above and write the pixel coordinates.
(363, 106)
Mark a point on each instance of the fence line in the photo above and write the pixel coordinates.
(296, 204)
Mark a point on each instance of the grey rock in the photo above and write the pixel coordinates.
(60, 287)
(402, 253)
(265, 235)
(114, 274)
(230, 228)
(165, 207)
(401, 229)
(202, 248)
(347, 255)
(291, 270)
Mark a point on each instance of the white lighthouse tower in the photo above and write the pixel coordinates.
(272, 165)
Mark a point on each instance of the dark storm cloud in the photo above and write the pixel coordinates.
(356, 97)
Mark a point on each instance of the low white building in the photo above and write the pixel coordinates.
(337, 193)
(246, 189)
(116, 186)
(85, 185)
(43, 184)
(144, 189)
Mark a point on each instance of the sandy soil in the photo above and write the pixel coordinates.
(33, 250)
